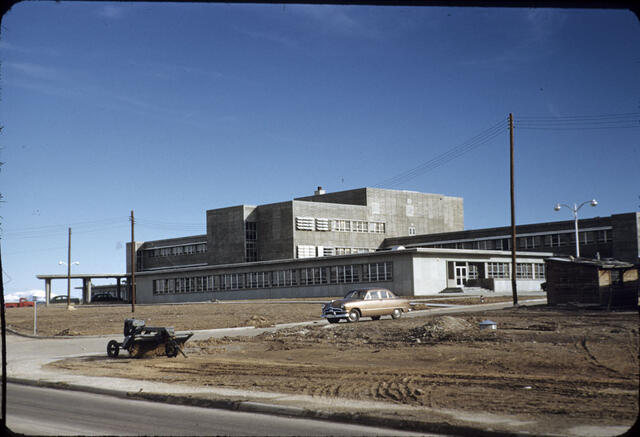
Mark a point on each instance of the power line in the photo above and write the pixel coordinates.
(451, 154)
(627, 120)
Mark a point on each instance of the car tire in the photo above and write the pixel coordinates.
(396, 314)
(375, 317)
(113, 349)
(333, 320)
(354, 316)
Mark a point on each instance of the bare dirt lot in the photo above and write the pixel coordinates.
(108, 319)
(56, 320)
(551, 366)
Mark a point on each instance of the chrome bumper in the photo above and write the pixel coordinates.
(334, 313)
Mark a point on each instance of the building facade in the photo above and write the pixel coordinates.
(616, 236)
(408, 272)
(326, 244)
(325, 224)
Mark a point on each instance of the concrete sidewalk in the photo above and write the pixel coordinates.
(27, 357)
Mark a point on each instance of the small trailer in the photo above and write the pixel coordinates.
(140, 340)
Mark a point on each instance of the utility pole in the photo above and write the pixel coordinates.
(513, 219)
(3, 407)
(133, 267)
(69, 272)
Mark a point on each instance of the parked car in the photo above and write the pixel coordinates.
(63, 299)
(105, 297)
(366, 302)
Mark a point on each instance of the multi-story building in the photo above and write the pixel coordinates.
(325, 224)
(616, 236)
(323, 245)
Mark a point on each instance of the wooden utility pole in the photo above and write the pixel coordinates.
(133, 267)
(513, 219)
(69, 271)
(3, 408)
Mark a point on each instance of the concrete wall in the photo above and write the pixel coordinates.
(331, 238)
(427, 213)
(226, 234)
(275, 231)
(429, 276)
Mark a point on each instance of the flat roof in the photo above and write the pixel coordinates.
(476, 253)
(84, 276)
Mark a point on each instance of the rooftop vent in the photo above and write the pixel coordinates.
(319, 191)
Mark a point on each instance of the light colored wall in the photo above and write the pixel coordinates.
(429, 275)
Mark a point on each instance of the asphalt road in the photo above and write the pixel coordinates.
(43, 411)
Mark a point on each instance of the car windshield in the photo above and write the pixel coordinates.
(356, 294)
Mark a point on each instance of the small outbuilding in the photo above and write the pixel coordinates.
(605, 283)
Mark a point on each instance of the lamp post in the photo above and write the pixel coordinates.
(574, 209)
(62, 263)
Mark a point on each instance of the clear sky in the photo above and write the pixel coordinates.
(173, 109)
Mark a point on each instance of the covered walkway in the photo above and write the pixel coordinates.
(86, 283)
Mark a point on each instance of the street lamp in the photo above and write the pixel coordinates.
(592, 202)
(62, 263)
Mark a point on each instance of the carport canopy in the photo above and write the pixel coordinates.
(86, 283)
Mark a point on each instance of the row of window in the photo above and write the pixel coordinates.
(531, 242)
(183, 249)
(523, 270)
(372, 272)
(339, 225)
(310, 251)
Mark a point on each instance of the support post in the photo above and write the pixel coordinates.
(86, 290)
(47, 291)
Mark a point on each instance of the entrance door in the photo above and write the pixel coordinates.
(461, 275)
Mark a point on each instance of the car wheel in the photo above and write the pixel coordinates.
(113, 348)
(333, 320)
(354, 316)
(396, 314)
(375, 317)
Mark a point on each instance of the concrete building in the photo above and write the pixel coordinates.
(616, 236)
(324, 245)
(408, 272)
(325, 224)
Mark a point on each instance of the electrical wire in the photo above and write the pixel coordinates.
(629, 120)
(451, 154)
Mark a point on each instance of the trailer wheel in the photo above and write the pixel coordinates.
(171, 349)
(113, 348)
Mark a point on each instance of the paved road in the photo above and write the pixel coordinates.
(42, 411)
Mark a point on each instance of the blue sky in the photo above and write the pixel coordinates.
(173, 109)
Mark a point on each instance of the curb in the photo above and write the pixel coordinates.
(280, 410)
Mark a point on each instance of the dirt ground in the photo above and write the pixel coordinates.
(56, 320)
(550, 365)
(109, 319)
